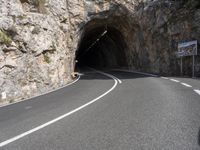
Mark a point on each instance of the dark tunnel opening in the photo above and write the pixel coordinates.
(101, 48)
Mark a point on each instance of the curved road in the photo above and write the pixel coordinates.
(100, 113)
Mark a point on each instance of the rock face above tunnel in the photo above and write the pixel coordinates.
(39, 38)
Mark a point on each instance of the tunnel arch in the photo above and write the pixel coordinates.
(102, 45)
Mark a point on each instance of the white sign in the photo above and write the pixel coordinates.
(187, 49)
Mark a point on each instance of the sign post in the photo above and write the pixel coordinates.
(193, 66)
(181, 66)
(187, 49)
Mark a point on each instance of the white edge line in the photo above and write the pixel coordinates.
(23, 100)
(197, 91)
(131, 71)
(4, 143)
(185, 84)
(174, 80)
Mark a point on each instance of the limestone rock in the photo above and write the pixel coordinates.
(45, 37)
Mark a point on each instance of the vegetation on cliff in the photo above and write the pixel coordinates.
(4, 38)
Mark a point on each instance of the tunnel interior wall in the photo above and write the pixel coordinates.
(102, 46)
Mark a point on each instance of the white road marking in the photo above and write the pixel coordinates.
(81, 74)
(4, 143)
(120, 81)
(42, 94)
(185, 84)
(28, 107)
(165, 78)
(197, 91)
(174, 80)
(131, 71)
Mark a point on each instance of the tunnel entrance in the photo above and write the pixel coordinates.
(101, 47)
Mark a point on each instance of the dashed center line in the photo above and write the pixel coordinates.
(185, 84)
(120, 81)
(28, 107)
(174, 80)
(165, 78)
(197, 91)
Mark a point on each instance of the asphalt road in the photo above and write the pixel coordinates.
(98, 112)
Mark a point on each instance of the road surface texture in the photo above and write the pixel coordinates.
(141, 113)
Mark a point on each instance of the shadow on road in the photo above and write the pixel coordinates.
(92, 75)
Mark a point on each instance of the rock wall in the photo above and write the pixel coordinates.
(163, 24)
(34, 52)
(39, 38)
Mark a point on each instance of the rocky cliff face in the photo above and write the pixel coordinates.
(34, 52)
(39, 39)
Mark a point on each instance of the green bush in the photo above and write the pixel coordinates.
(47, 58)
(4, 38)
(22, 17)
(11, 101)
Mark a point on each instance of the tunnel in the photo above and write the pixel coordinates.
(101, 47)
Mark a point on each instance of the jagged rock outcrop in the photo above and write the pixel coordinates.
(34, 54)
(39, 38)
